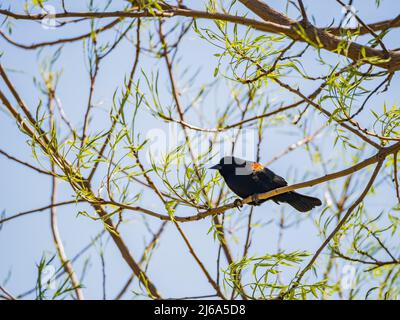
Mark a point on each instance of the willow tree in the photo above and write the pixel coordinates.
(272, 76)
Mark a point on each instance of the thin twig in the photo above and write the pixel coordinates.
(66, 264)
(24, 163)
(8, 295)
(63, 203)
(59, 41)
(282, 24)
(337, 228)
(151, 245)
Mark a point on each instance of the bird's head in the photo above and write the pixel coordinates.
(233, 166)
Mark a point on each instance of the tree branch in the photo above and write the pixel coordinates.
(275, 22)
(337, 228)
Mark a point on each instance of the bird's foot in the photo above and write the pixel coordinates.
(255, 200)
(238, 203)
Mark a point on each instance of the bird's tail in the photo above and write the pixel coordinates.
(299, 201)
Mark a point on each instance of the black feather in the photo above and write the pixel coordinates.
(299, 201)
(246, 178)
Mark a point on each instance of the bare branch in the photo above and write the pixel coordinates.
(279, 24)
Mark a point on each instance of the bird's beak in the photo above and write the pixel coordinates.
(216, 167)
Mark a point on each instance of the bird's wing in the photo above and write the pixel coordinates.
(268, 180)
(281, 182)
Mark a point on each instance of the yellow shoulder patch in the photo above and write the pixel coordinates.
(255, 166)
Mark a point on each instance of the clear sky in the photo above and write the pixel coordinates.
(23, 241)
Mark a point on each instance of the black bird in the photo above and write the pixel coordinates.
(246, 178)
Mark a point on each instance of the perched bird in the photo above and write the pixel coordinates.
(246, 178)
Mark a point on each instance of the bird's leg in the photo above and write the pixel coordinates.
(238, 203)
(255, 199)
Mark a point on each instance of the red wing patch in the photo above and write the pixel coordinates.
(255, 166)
